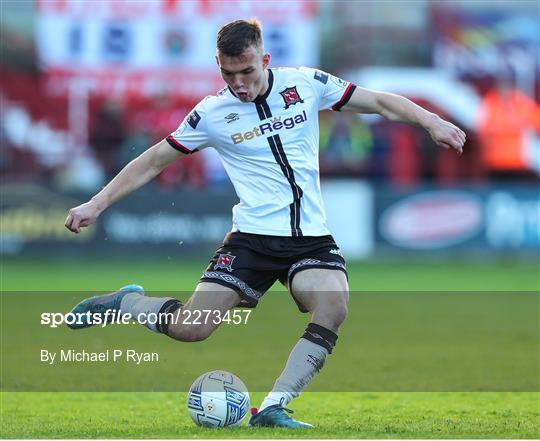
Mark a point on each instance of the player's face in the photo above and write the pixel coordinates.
(246, 74)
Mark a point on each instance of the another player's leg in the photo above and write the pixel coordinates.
(324, 293)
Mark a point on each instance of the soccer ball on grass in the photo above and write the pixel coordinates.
(218, 399)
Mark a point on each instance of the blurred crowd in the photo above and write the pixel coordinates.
(504, 143)
(80, 143)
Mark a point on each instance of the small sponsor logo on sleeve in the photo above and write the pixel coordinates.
(193, 119)
(321, 76)
(338, 81)
(179, 130)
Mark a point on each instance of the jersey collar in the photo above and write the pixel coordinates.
(263, 97)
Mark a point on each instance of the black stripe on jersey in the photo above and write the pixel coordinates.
(279, 154)
(263, 110)
(345, 98)
(178, 146)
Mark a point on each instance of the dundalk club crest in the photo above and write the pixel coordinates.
(225, 262)
(290, 96)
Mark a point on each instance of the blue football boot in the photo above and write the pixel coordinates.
(100, 305)
(275, 416)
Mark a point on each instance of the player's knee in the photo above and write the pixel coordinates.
(334, 309)
(338, 312)
(189, 333)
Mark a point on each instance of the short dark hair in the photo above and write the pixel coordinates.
(235, 37)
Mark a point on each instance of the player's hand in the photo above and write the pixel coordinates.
(82, 216)
(447, 135)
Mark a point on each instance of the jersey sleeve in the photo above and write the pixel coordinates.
(192, 135)
(333, 92)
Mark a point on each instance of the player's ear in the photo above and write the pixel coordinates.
(266, 60)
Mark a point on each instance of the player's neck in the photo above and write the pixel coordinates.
(265, 85)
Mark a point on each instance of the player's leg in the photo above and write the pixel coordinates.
(165, 315)
(190, 322)
(202, 313)
(104, 307)
(324, 294)
(235, 276)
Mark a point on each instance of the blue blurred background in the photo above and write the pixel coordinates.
(87, 86)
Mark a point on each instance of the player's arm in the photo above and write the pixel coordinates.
(133, 176)
(398, 108)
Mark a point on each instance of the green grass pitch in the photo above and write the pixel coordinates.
(336, 414)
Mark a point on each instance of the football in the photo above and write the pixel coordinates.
(218, 399)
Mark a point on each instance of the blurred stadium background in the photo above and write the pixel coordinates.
(86, 86)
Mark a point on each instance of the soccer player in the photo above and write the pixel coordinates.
(264, 125)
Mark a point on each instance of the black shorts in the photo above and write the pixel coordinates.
(251, 263)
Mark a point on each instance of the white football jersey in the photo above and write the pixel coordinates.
(270, 149)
